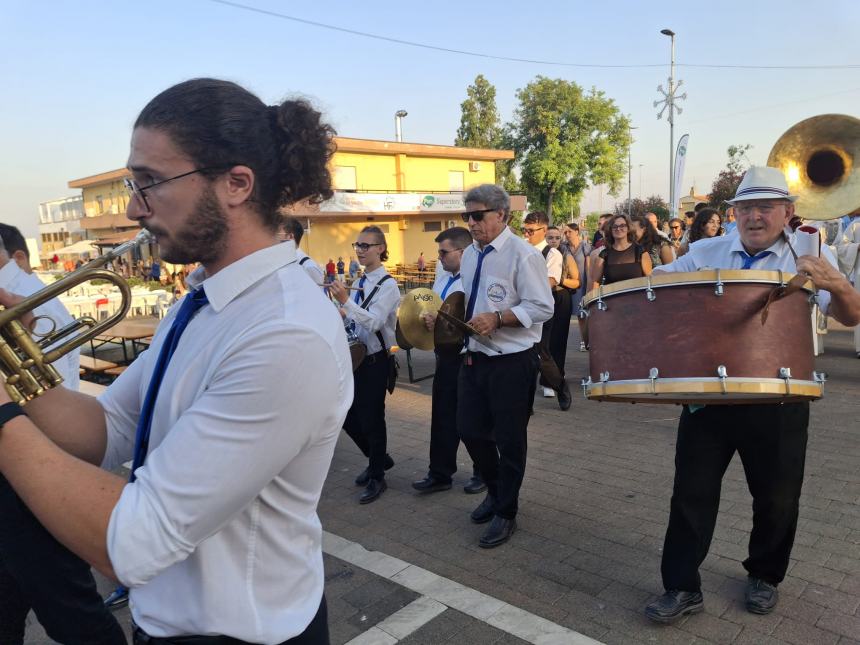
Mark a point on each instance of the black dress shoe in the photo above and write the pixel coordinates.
(117, 599)
(484, 513)
(431, 485)
(498, 532)
(375, 488)
(564, 398)
(761, 597)
(475, 485)
(673, 604)
(364, 475)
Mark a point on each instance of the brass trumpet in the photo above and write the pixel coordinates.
(25, 361)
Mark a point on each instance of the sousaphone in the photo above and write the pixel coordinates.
(819, 157)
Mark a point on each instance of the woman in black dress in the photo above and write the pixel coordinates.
(622, 258)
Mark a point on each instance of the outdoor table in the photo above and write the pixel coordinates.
(134, 330)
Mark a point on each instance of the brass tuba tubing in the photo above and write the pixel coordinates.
(25, 365)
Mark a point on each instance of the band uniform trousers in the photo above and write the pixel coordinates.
(38, 572)
(493, 399)
(560, 328)
(771, 442)
(444, 438)
(365, 421)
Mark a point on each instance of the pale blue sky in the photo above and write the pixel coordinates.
(75, 74)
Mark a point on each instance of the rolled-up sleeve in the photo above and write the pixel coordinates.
(536, 303)
(238, 435)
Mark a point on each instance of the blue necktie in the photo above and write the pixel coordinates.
(749, 259)
(360, 293)
(470, 309)
(451, 281)
(192, 302)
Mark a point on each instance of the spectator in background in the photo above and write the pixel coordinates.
(731, 225)
(649, 239)
(579, 249)
(655, 222)
(676, 232)
(623, 259)
(599, 239)
(340, 270)
(354, 268)
(330, 270)
(155, 270)
(422, 263)
(706, 224)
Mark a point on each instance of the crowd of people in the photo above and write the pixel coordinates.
(215, 533)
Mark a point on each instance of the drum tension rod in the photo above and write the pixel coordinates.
(719, 286)
(600, 304)
(653, 374)
(819, 377)
(586, 385)
(723, 373)
(785, 375)
(649, 291)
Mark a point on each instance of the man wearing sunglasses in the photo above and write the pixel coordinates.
(507, 298)
(444, 438)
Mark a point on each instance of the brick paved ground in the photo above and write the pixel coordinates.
(594, 508)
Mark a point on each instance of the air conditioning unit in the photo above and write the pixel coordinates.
(474, 166)
(403, 224)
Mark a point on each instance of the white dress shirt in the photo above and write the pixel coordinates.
(15, 280)
(441, 282)
(554, 261)
(381, 313)
(311, 268)
(219, 534)
(725, 252)
(513, 276)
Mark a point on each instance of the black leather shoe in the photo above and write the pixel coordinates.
(475, 485)
(375, 488)
(364, 476)
(673, 604)
(484, 513)
(498, 532)
(117, 599)
(431, 485)
(761, 597)
(564, 398)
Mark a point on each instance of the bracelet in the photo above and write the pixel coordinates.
(499, 314)
(9, 411)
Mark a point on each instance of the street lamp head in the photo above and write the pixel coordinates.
(401, 113)
(667, 32)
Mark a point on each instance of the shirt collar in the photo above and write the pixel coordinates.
(500, 240)
(231, 281)
(540, 246)
(376, 274)
(778, 248)
(9, 273)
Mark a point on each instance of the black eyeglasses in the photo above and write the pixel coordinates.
(136, 190)
(443, 252)
(477, 215)
(363, 246)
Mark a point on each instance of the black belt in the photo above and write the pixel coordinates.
(378, 356)
(140, 637)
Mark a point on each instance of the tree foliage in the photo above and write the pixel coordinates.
(566, 140)
(726, 184)
(480, 127)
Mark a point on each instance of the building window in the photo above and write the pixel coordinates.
(455, 181)
(432, 227)
(101, 205)
(344, 178)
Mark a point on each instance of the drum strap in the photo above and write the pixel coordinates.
(366, 303)
(303, 260)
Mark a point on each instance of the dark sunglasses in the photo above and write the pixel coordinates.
(477, 215)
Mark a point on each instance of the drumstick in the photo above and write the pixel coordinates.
(328, 284)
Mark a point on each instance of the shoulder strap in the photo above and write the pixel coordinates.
(366, 304)
(546, 251)
(304, 259)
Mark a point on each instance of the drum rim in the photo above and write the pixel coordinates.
(705, 276)
(710, 385)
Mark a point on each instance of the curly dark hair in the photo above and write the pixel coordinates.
(220, 124)
(697, 228)
(650, 238)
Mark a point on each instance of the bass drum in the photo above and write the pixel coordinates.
(701, 338)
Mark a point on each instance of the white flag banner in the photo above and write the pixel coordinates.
(680, 159)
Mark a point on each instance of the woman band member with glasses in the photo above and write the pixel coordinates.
(621, 258)
(373, 311)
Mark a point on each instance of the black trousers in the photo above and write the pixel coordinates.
(365, 421)
(493, 399)
(39, 573)
(560, 328)
(444, 438)
(316, 633)
(771, 442)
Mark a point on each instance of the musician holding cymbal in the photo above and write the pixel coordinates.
(232, 416)
(508, 298)
(770, 438)
(444, 438)
(373, 309)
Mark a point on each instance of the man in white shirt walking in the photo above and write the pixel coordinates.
(232, 422)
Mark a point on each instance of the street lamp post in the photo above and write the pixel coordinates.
(668, 102)
(398, 132)
(640, 180)
(630, 129)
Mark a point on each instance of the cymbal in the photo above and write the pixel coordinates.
(402, 343)
(466, 328)
(410, 316)
(447, 338)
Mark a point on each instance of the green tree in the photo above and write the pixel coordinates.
(659, 206)
(566, 140)
(726, 184)
(480, 127)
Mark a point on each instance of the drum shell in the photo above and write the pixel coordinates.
(688, 331)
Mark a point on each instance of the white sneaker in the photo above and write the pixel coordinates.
(582, 346)
(548, 392)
